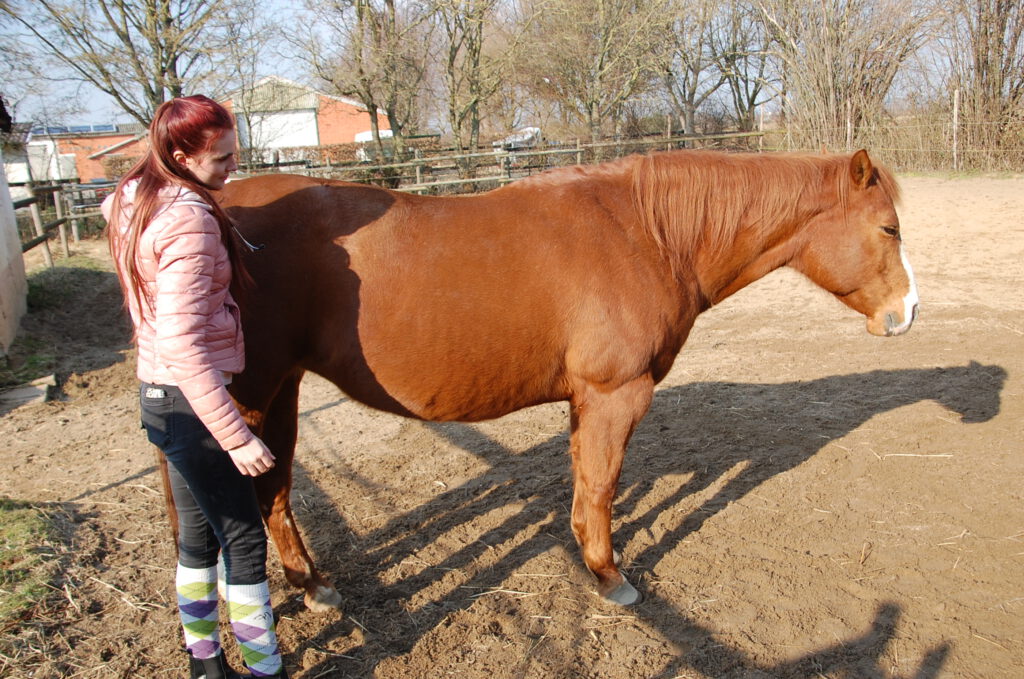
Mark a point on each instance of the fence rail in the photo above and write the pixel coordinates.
(915, 142)
(441, 173)
(70, 208)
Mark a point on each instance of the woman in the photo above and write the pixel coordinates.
(175, 250)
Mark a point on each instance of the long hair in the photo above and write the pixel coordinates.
(190, 125)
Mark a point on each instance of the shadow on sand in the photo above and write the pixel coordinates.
(696, 411)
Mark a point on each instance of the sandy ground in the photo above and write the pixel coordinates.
(803, 499)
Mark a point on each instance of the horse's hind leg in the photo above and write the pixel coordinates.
(279, 432)
(602, 423)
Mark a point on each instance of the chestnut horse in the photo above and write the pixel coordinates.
(578, 284)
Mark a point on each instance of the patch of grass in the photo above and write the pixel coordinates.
(32, 360)
(57, 299)
(27, 562)
(52, 288)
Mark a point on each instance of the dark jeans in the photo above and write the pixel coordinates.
(217, 506)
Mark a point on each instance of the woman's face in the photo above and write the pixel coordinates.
(213, 166)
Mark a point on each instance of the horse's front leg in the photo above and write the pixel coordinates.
(602, 422)
(279, 431)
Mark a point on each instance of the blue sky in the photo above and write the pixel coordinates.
(97, 108)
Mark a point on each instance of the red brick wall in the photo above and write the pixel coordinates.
(83, 147)
(339, 122)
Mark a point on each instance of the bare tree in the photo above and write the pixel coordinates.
(374, 51)
(986, 51)
(23, 75)
(691, 73)
(138, 52)
(839, 61)
(479, 49)
(248, 37)
(470, 77)
(591, 56)
(742, 48)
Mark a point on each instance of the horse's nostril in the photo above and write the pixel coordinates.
(892, 321)
(913, 314)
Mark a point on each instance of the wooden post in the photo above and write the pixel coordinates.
(58, 203)
(75, 222)
(956, 129)
(760, 128)
(37, 222)
(849, 127)
(579, 152)
(417, 156)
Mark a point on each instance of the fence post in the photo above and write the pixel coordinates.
(75, 228)
(69, 203)
(37, 221)
(849, 127)
(956, 129)
(760, 128)
(417, 156)
(58, 203)
(579, 152)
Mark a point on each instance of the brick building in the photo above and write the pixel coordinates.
(274, 115)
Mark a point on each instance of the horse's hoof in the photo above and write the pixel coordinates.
(323, 599)
(616, 557)
(624, 595)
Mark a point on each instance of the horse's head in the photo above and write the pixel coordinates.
(854, 250)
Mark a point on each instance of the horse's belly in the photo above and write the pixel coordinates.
(460, 356)
(452, 378)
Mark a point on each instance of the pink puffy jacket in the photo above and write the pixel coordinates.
(190, 334)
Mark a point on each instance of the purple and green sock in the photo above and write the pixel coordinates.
(197, 606)
(252, 620)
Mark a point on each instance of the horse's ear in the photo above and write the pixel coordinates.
(862, 172)
(824, 150)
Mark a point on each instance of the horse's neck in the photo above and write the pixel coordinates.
(757, 251)
(731, 277)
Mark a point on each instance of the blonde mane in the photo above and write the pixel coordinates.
(691, 200)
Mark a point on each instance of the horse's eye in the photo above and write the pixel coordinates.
(893, 231)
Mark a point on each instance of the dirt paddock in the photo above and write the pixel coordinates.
(802, 500)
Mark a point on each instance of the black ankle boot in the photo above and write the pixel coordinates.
(212, 668)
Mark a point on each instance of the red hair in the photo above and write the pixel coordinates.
(191, 125)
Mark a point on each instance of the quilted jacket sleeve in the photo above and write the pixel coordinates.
(186, 299)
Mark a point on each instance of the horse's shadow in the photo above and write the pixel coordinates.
(684, 418)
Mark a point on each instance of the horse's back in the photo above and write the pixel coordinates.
(456, 308)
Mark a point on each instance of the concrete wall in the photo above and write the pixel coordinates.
(13, 287)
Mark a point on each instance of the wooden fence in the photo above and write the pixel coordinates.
(445, 173)
(72, 206)
(420, 174)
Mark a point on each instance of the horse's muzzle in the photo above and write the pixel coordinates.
(894, 326)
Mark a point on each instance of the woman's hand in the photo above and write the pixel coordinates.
(252, 458)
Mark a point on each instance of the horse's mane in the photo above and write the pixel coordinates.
(692, 199)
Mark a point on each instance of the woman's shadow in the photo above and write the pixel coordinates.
(682, 434)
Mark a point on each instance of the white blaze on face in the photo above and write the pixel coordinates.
(910, 300)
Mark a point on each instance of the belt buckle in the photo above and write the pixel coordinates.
(155, 392)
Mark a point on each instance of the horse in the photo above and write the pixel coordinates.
(578, 284)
